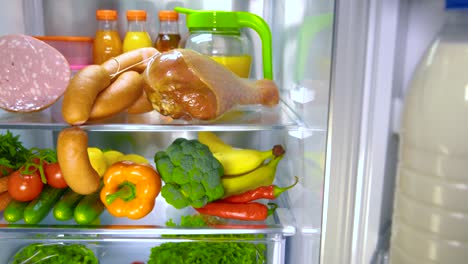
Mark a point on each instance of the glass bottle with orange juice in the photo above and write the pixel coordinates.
(168, 36)
(107, 42)
(136, 36)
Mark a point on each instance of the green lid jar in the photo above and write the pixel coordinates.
(219, 35)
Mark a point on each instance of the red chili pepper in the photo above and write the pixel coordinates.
(264, 192)
(248, 211)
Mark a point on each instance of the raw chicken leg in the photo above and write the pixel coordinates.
(185, 84)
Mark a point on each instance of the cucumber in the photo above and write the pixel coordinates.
(65, 207)
(89, 209)
(14, 211)
(38, 208)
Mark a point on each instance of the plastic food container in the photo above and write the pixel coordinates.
(76, 49)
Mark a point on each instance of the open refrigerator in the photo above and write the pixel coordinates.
(343, 68)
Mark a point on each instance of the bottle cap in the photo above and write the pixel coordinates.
(106, 14)
(168, 15)
(136, 15)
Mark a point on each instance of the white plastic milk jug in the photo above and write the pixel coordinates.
(430, 219)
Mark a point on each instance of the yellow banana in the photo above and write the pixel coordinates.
(262, 176)
(235, 161)
(213, 142)
(239, 161)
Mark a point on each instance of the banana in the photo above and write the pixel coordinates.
(239, 161)
(213, 142)
(262, 176)
(235, 160)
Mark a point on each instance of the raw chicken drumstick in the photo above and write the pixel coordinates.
(185, 84)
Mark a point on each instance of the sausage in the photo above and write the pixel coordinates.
(81, 93)
(128, 59)
(142, 104)
(33, 75)
(121, 94)
(72, 154)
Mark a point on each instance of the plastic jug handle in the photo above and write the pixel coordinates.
(246, 19)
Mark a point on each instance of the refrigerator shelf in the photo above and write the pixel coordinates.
(129, 232)
(151, 226)
(243, 118)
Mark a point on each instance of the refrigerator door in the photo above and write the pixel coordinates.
(377, 46)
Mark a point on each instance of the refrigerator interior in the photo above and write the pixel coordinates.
(302, 34)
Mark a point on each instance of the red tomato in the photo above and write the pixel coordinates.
(25, 187)
(54, 175)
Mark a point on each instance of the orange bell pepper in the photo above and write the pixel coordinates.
(130, 189)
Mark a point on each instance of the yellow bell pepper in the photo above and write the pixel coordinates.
(130, 189)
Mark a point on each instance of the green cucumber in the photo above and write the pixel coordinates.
(14, 211)
(38, 208)
(89, 209)
(65, 207)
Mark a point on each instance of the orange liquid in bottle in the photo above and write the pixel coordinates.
(107, 44)
(240, 65)
(166, 42)
(136, 40)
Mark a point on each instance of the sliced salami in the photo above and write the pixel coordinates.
(33, 75)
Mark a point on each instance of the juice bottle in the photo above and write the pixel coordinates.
(136, 36)
(107, 42)
(168, 37)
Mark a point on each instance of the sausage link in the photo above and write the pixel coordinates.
(142, 104)
(127, 59)
(121, 94)
(81, 92)
(72, 154)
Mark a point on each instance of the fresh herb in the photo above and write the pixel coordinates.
(36, 161)
(225, 252)
(189, 221)
(55, 254)
(12, 152)
(13, 156)
(207, 252)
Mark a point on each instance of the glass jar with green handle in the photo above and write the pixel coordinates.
(218, 34)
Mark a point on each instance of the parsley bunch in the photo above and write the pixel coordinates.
(12, 153)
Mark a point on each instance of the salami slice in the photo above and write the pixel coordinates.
(33, 75)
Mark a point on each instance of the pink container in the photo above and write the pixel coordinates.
(77, 50)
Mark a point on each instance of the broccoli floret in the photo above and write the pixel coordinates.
(191, 174)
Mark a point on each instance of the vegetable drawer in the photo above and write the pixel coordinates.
(169, 249)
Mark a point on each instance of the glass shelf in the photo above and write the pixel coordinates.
(245, 118)
(151, 226)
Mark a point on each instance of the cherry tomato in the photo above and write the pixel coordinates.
(24, 187)
(54, 175)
